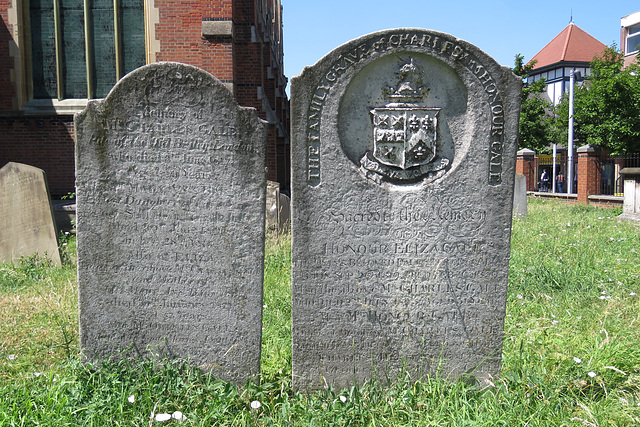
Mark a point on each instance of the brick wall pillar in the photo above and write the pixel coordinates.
(525, 164)
(589, 172)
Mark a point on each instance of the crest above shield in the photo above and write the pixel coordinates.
(405, 129)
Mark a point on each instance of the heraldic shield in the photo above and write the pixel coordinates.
(405, 136)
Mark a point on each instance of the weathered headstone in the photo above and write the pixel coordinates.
(278, 209)
(631, 202)
(520, 195)
(284, 213)
(26, 218)
(403, 154)
(272, 212)
(170, 222)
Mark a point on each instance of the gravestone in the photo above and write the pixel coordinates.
(26, 218)
(278, 209)
(273, 191)
(631, 202)
(520, 195)
(284, 213)
(170, 222)
(403, 154)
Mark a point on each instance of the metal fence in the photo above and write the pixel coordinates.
(608, 178)
(547, 181)
(611, 182)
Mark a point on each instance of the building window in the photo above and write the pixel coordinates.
(633, 39)
(81, 48)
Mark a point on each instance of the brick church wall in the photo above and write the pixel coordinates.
(240, 60)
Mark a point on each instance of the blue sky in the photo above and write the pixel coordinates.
(502, 28)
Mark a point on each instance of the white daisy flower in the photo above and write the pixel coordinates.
(178, 416)
(163, 417)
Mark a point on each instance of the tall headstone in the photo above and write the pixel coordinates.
(27, 226)
(171, 188)
(403, 154)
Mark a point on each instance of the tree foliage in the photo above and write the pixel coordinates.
(535, 130)
(607, 107)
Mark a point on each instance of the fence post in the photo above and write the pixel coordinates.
(589, 172)
(525, 165)
(618, 179)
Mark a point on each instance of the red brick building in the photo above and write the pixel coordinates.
(57, 54)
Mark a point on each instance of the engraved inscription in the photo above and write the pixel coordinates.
(401, 166)
(171, 187)
(452, 52)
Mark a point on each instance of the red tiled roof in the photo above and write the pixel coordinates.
(573, 44)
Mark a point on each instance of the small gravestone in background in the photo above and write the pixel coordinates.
(403, 156)
(170, 222)
(27, 226)
(272, 212)
(278, 209)
(520, 195)
(284, 213)
(631, 203)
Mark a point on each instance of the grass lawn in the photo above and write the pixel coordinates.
(571, 350)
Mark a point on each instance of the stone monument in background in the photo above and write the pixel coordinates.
(171, 189)
(403, 157)
(278, 209)
(631, 203)
(27, 225)
(520, 195)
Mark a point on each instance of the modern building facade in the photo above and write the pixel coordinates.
(630, 37)
(55, 55)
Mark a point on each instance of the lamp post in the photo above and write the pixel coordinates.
(570, 138)
(553, 178)
(573, 76)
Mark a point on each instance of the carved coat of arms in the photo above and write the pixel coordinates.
(405, 130)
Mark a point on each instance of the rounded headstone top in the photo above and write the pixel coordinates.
(406, 38)
(168, 83)
(404, 107)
